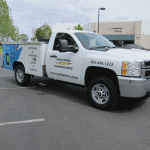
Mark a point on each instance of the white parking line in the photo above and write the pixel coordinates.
(25, 121)
(6, 75)
(12, 88)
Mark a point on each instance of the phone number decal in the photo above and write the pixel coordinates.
(102, 63)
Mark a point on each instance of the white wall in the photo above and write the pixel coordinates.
(146, 27)
(145, 41)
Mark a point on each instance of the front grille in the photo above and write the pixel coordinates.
(147, 73)
(146, 69)
(147, 63)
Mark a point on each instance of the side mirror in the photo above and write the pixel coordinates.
(73, 49)
(76, 49)
(63, 45)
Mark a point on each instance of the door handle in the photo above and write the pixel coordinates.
(53, 56)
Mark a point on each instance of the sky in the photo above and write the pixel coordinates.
(31, 14)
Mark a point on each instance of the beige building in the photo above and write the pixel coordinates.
(134, 32)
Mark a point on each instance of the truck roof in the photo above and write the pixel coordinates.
(72, 31)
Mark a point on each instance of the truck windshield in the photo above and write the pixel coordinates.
(94, 41)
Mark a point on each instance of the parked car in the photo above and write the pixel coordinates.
(133, 46)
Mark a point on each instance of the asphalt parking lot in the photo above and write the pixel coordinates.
(51, 115)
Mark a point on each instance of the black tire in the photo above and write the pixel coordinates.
(21, 77)
(102, 93)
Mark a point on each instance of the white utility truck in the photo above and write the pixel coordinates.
(83, 58)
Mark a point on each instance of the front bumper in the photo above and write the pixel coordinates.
(133, 87)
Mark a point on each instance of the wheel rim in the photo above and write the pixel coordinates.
(20, 75)
(100, 93)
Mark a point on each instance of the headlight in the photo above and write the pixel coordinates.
(131, 68)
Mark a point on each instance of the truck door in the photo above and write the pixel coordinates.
(64, 66)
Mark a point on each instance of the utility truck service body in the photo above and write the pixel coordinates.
(83, 58)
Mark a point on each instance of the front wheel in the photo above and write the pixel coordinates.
(102, 93)
(21, 77)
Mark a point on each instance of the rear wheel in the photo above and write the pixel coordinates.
(102, 93)
(21, 77)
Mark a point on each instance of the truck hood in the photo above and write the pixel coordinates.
(130, 54)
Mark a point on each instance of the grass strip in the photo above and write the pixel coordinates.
(1, 49)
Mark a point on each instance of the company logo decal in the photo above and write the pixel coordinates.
(66, 60)
(63, 63)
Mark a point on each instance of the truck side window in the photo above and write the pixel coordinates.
(66, 37)
(56, 42)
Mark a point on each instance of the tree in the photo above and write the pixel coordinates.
(43, 32)
(7, 28)
(33, 39)
(23, 38)
(16, 36)
(33, 34)
(78, 27)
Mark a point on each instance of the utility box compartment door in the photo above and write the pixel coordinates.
(33, 59)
